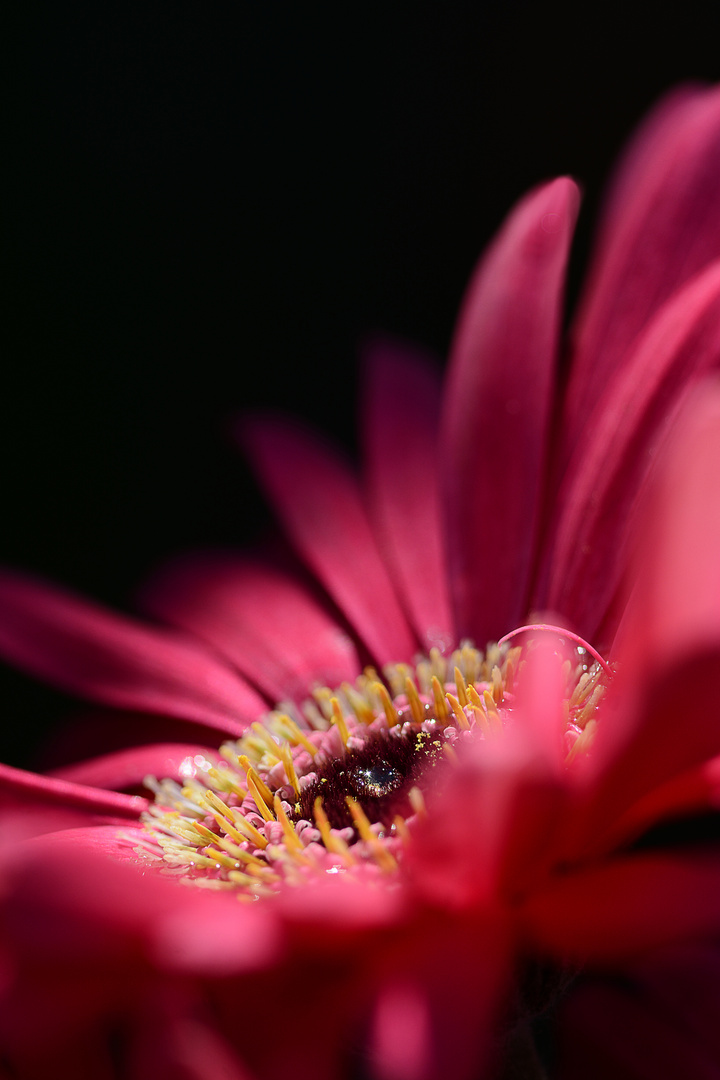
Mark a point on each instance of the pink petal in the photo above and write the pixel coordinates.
(497, 411)
(115, 660)
(414, 1034)
(693, 792)
(610, 912)
(265, 622)
(400, 431)
(661, 225)
(318, 501)
(29, 788)
(128, 768)
(672, 633)
(584, 560)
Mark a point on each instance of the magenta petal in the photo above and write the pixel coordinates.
(625, 907)
(318, 501)
(661, 225)
(400, 429)
(497, 411)
(115, 660)
(583, 563)
(671, 636)
(27, 787)
(128, 768)
(264, 621)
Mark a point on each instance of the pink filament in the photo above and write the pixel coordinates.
(563, 633)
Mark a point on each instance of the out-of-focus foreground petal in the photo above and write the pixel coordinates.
(400, 418)
(496, 411)
(126, 769)
(266, 623)
(28, 788)
(318, 501)
(117, 661)
(595, 520)
(661, 225)
(621, 909)
(667, 691)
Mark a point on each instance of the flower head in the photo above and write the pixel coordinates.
(430, 795)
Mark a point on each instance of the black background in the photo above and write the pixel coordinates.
(208, 205)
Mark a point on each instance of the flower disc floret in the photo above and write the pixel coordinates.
(337, 784)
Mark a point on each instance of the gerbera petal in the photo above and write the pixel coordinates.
(31, 788)
(583, 562)
(265, 622)
(401, 413)
(126, 769)
(696, 791)
(615, 910)
(661, 225)
(318, 500)
(496, 411)
(671, 637)
(113, 659)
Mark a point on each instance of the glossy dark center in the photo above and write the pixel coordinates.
(378, 777)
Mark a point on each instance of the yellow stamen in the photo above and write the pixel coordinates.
(252, 774)
(292, 840)
(289, 766)
(441, 710)
(497, 685)
(383, 857)
(461, 687)
(262, 806)
(389, 709)
(417, 708)
(332, 841)
(338, 720)
(296, 735)
(416, 800)
(460, 717)
(358, 704)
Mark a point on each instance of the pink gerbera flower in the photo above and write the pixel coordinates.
(432, 803)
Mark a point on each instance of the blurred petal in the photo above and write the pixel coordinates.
(27, 787)
(610, 912)
(497, 409)
(667, 691)
(595, 519)
(113, 659)
(661, 225)
(265, 622)
(401, 413)
(318, 501)
(128, 768)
